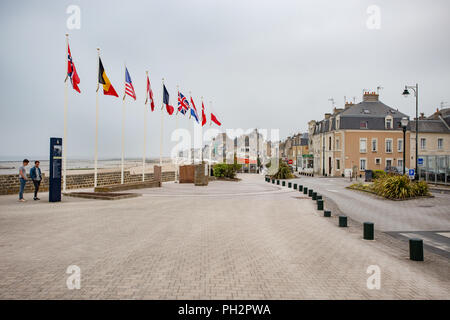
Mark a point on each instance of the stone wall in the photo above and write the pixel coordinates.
(9, 183)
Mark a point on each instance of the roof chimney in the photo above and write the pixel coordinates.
(370, 96)
(348, 105)
(327, 115)
(422, 116)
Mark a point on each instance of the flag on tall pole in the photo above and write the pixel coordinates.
(203, 114)
(183, 104)
(215, 120)
(194, 110)
(129, 89)
(149, 94)
(169, 108)
(108, 89)
(71, 70)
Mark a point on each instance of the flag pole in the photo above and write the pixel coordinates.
(66, 102)
(193, 134)
(96, 123)
(123, 128)
(176, 148)
(145, 137)
(161, 133)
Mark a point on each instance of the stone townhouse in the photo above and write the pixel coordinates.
(366, 135)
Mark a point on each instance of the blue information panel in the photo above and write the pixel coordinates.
(411, 172)
(420, 161)
(54, 180)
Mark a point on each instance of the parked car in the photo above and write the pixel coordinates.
(396, 170)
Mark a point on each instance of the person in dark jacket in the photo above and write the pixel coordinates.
(36, 176)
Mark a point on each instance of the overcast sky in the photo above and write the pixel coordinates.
(267, 64)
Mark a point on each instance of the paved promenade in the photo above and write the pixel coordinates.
(230, 240)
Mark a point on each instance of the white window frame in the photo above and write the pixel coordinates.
(385, 145)
(360, 140)
(391, 122)
(377, 164)
(440, 147)
(376, 145)
(398, 163)
(398, 145)
(365, 164)
(424, 145)
(386, 160)
(337, 144)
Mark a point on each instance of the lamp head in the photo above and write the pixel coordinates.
(404, 122)
(405, 92)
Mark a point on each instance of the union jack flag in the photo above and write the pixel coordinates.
(183, 104)
(129, 89)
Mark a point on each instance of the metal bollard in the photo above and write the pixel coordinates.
(305, 190)
(342, 221)
(278, 182)
(319, 204)
(289, 184)
(368, 231)
(416, 249)
(310, 192)
(327, 213)
(295, 186)
(273, 181)
(314, 195)
(283, 183)
(318, 197)
(300, 187)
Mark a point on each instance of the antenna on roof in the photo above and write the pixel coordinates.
(378, 89)
(332, 102)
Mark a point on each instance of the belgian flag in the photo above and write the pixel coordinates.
(108, 89)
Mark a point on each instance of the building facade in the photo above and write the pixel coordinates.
(363, 136)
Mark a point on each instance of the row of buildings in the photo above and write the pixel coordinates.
(369, 136)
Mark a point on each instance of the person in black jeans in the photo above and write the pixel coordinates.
(36, 176)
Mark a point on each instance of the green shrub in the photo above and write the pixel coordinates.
(399, 187)
(420, 188)
(284, 172)
(225, 170)
(378, 174)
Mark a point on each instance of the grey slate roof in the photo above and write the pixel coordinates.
(430, 126)
(371, 109)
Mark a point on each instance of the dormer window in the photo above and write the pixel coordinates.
(388, 122)
(363, 125)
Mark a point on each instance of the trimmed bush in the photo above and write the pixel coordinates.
(284, 172)
(399, 187)
(224, 170)
(378, 174)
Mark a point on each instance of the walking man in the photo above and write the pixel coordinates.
(23, 179)
(35, 175)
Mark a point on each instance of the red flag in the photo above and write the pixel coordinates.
(214, 119)
(203, 115)
(72, 72)
(149, 95)
(169, 109)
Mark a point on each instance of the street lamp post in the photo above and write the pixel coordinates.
(404, 123)
(416, 94)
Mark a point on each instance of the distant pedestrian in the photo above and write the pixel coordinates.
(23, 179)
(36, 176)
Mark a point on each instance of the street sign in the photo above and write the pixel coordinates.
(411, 172)
(420, 161)
(291, 161)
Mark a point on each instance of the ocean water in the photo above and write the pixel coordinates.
(11, 167)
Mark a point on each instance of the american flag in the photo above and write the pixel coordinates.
(183, 104)
(129, 89)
